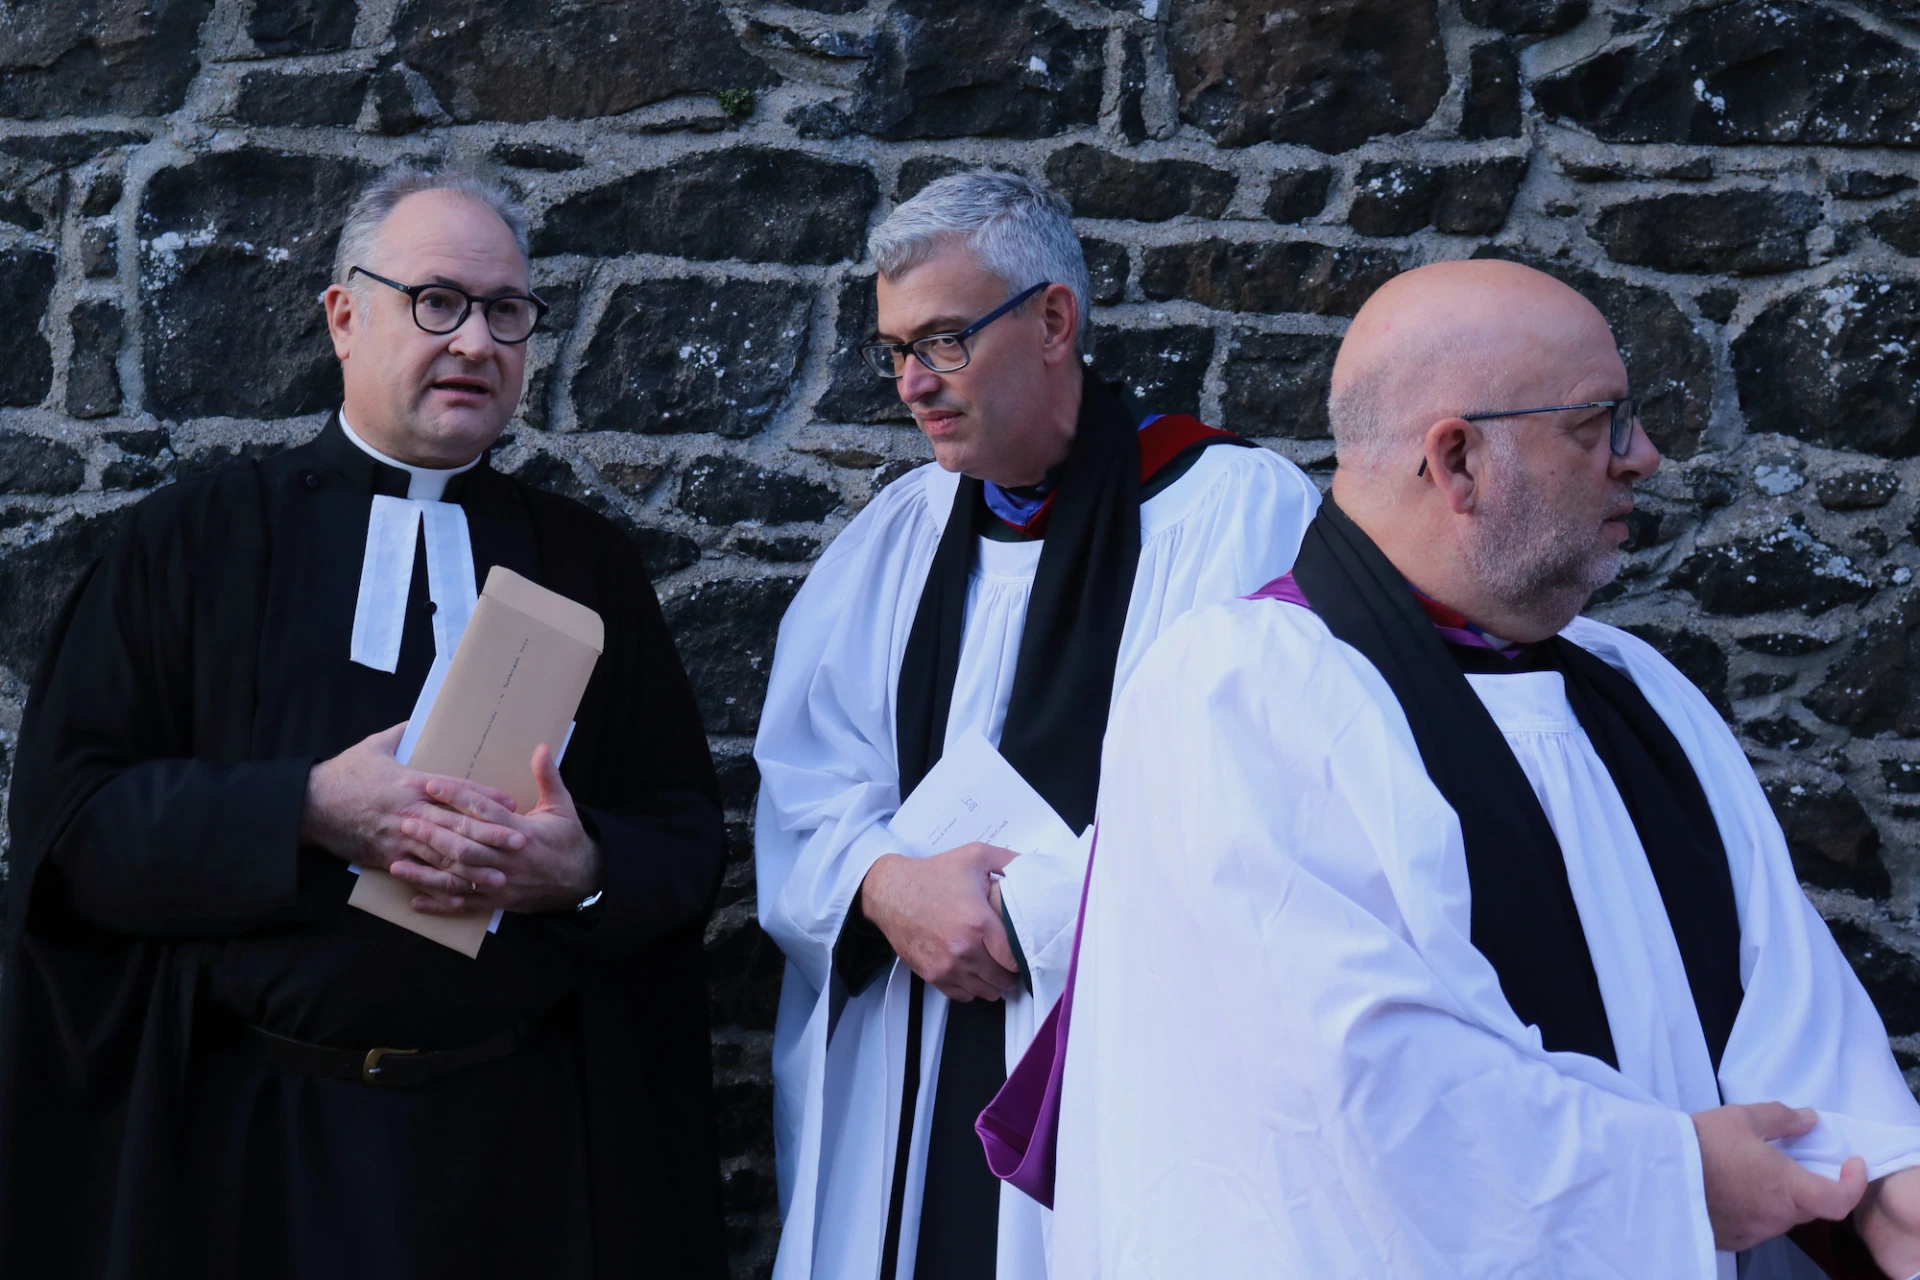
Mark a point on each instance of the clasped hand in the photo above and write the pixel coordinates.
(942, 915)
(1755, 1192)
(461, 845)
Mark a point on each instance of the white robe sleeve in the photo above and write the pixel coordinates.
(1807, 1033)
(828, 777)
(1226, 529)
(1287, 1058)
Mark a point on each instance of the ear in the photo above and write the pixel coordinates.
(342, 318)
(1060, 321)
(1455, 453)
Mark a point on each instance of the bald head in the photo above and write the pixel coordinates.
(1454, 338)
(1514, 518)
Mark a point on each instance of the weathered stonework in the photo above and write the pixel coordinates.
(1734, 185)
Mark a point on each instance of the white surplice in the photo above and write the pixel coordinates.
(829, 784)
(1287, 1058)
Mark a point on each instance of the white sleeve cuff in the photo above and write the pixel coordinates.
(1704, 1256)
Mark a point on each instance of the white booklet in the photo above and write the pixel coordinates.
(972, 793)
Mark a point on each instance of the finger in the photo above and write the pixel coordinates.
(1853, 1180)
(480, 858)
(432, 844)
(491, 834)
(960, 978)
(444, 884)
(413, 850)
(484, 877)
(962, 987)
(404, 869)
(1833, 1199)
(1000, 949)
(546, 776)
(420, 875)
(474, 800)
(448, 791)
(993, 976)
(1777, 1120)
(455, 834)
(994, 858)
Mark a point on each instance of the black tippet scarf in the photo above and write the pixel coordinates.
(1056, 719)
(1063, 679)
(1523, 917)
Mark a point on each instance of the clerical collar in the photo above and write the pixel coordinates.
(424, 484)
(1020, 507)
(1455, 628)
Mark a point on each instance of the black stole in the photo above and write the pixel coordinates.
(1056, 719)
(1523, 917)
(1063, 678)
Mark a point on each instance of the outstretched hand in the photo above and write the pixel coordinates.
(479, 853)
(1754, 1192)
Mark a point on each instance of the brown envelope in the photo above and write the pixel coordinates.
(515, 682)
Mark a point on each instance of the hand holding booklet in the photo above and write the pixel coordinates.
(972, 793)
(515, 681)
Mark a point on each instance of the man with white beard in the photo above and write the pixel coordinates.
(1436, 931)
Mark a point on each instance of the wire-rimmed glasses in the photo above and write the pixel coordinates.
(1626, 416)
(940, 352)
(442, 308)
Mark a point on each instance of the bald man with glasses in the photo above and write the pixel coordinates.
(1492, 960)
(211, 1065)
(1005, 590)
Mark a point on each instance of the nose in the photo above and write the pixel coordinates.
(472, 340)
(916, 382)
(1641, 459)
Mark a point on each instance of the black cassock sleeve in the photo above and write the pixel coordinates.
(646, 791)
(107, 792)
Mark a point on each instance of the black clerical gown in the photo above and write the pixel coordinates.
(161, 901)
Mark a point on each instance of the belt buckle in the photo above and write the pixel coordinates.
(370, 1069)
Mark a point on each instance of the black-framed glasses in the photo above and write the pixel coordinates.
(442, 308)
(940, 352)
(1626, 416)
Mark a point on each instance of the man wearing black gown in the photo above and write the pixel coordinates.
(189, 1005)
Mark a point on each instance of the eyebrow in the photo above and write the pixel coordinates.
(939, 324)
(451, 283)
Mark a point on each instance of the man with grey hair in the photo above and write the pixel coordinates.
(1457, 940)
(1003, 592)
(210, 1064)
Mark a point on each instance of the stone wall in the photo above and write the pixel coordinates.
(1734, 184)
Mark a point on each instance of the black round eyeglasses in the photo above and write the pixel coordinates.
(442, 308)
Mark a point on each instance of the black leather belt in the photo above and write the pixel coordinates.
(382, 1067)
